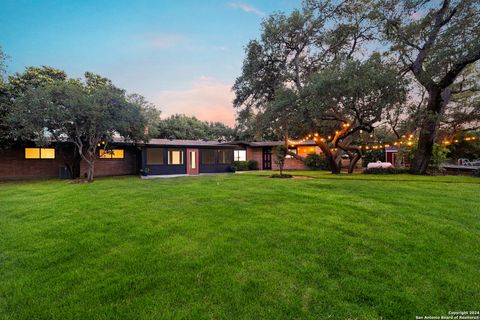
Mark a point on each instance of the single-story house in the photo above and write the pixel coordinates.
(157, 157)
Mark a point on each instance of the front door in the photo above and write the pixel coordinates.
(192, 161)
(267, 159)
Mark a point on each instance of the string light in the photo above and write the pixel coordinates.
(316, 138)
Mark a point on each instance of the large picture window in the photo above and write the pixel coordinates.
(155, 156)
(39, 153)
(112, 154)
(304, 151)
(240, 155)
(225, 156)
(175, 156)
(207, 156)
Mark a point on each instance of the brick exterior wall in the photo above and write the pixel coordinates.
(255, 154)
(290, 164)
(113, 167)
(14, 166)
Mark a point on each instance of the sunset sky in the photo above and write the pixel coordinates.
(181, 55)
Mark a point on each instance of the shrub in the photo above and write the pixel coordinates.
(245, 165)
(385, 170)
(476, 173)
(439, 154)
(373, 156)
(316, 162)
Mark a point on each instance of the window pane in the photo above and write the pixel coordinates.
(111, 154)
(240, 155)
(175, 157)
(118, 154)
(224, 156)
(304, 151)
(155, 156)
(208, 156)
(32, 153)
(47, 153)
(103, 154)
(193, 159)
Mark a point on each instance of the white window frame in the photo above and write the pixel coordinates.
(237, 155)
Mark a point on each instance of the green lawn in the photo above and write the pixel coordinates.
(240, 247)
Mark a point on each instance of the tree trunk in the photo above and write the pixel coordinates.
(335, 166)
(333, 163)
(423, 154)
(354, 161)
(77, 159)
(91, 166)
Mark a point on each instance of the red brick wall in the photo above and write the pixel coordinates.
(113, 167)
(290, 164)
(13, 164)
(255, 154)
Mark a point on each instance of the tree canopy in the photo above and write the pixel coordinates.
(87, 113)
(433, 45)
(436, 41)
(180, 126)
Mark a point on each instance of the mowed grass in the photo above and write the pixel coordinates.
(240, 246)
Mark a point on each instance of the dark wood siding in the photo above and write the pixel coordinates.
(165, 168)
(217, 166)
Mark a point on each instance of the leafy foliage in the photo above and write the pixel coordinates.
(439, 154)
(292, 48)
(4, 103)
(246, 165)
(316, 162)
(87, 114)
(373, 156)
(347, 97)
(180, 126)
(436, 42)
(280, 154)
(463, 149)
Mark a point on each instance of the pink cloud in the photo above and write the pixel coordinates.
(205, 99)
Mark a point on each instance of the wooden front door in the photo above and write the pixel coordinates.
(192, 161)
(267, 159)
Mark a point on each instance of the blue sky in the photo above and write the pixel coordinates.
(181, 55)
